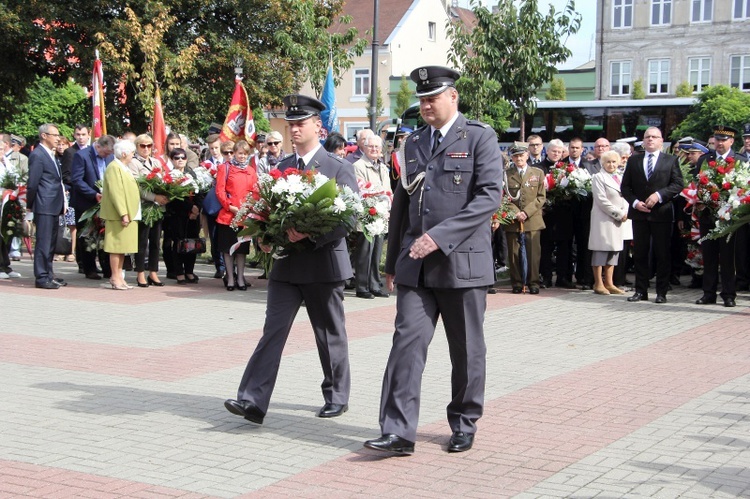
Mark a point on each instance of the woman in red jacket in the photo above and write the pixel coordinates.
(235, 179)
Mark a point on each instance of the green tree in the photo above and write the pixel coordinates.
(403, 97)
(684, 89)
(187, 47)
(44, 103)
(638, 92)
(504, 57)
(379, 110)
(716, 105)
(556, 89)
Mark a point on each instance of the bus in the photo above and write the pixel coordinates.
(589, 120)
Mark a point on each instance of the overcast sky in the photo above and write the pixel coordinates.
(582, 43)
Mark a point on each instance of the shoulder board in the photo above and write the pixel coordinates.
(336, 157)
(477, 123)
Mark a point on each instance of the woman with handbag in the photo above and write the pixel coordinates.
(149, 237)
(121, 210)
(234, 181)
(182, 224)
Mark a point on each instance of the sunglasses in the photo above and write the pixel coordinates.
(227, 152)
(145, 145)
(179, 157)
(273, 143)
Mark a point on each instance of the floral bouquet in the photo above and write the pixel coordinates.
(93, 229)
(694, 257)
(172, 184)
(12, 210)
(304, 200)
(506, 214)
(723, 188)
(203, 179)
(376, 207)
(564, 182)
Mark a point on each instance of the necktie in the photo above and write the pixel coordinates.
(300, 164)
(650, 166)
(436, 136)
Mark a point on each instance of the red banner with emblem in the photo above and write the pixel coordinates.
(239, 123)
(97, 99)
(158, 130)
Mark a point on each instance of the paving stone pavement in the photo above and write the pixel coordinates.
(120, 394)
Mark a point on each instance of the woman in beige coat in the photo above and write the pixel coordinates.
(609, 213)
(120, 210)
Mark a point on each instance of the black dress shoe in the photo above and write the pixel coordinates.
(729, 302)
(660, 299)
(460, 441)
(60, 282)
(706, 299)
(391, 443)
(142, 284)
(380, 294)
(155, 283)
(47, 285)
(517, 290)
(364, 294)
(332, 410)
(533, 290)
(93, 275)
(638, 297)
(245, 409)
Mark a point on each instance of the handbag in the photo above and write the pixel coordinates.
(191, 245)
(211, 205)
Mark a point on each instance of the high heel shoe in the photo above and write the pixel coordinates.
(191, 280)
(154, 283)
(230, 288)
(143, 284)
(119, 287)
(242, 287)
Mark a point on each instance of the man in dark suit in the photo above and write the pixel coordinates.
(650, 182)
(719, 254)
(86, 169)
(45, 196)
(81, 136)
(440, 255)
(314, 275)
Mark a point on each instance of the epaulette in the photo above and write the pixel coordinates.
(477, 123)
(336, 157)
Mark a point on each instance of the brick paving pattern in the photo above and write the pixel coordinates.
(120, 394)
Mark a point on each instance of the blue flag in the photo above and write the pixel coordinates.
(329, 116)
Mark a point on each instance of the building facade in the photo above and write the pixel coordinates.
(664, 43)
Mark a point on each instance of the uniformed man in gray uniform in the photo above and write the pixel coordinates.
(315, 274)
(440, 255)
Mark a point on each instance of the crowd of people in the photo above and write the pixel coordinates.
(633, 217)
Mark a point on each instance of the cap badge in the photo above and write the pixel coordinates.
(423, 75)
(293, 100)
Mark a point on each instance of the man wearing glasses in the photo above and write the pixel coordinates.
(535, 150)
(45, 196)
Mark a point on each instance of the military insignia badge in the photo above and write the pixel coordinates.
(423, 74)
(293, 100)
(457, 178)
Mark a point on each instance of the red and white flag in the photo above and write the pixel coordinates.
(239, 123)
(158, 130)
(97, 99)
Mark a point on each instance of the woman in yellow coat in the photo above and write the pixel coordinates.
(121, 210)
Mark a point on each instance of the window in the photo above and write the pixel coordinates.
(620, 78)
(742, 9)
(431, 31)
(702, 11)
(739, 71)
(699, 72)
(661, 12)
(658, 76)
(622, 14)
(361, 82)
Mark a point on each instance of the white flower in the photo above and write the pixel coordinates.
(339, 205)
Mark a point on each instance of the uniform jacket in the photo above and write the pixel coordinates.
(706, 218)
(45, 194)
(666, 180)
(326, 259)
(17, 161)
(84, 173)
(531, 197)
(454, 204)
(606, 215)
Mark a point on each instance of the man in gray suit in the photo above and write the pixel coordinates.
(45, 196)
(314, 275)
(440, 255)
